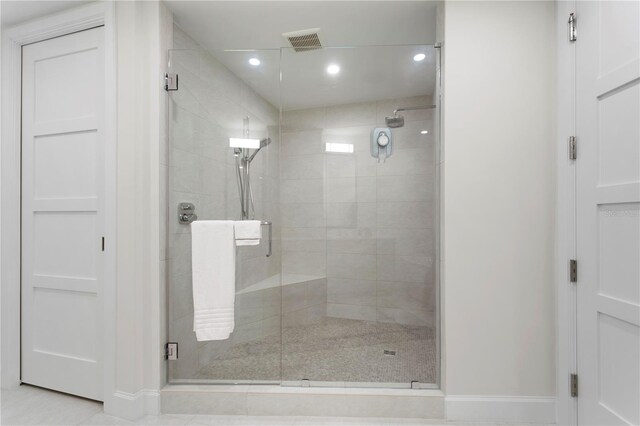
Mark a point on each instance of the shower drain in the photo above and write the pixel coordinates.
(390, 353)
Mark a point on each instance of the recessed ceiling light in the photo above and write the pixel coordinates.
(419, 57)
(254, 61)
(333, 69)
(424, 132)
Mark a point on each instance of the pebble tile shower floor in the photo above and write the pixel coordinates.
(335, 349)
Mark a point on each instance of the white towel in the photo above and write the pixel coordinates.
(213, 258)
(248, 232)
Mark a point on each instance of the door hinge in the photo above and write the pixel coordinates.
(573, 383)
(102, 243)
(573, 148)
(573, 271)
(171, 351)
(572, 27)
(170, 82)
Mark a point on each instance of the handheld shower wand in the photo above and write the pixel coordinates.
(244, 157)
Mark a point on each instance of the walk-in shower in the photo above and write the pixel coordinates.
(349, 294)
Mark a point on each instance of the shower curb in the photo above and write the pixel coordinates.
(270, 400)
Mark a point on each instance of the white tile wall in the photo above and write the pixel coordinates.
(356, 312)
(303, 142)
(304, 240)
(342, 215)
(296, 215)
(302, 167)
(340, 165)
(369, 225)
(351, 265)
(351, 291)
(341, 189)
(352, 240)
(304, 263)
(301, 191)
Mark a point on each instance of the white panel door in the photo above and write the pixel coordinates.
(608, 211)
(62, 213)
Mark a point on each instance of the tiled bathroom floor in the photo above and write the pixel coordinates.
(29, 405)
(336, 349)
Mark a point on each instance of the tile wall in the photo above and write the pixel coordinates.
(367, 227)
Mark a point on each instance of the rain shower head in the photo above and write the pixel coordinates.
(398, 120)
(395, 121)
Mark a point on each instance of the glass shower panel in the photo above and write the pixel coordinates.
(217, 100)
(359, 209)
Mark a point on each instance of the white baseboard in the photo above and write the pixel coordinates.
(133, 406)
(501, 408)
(151, 402)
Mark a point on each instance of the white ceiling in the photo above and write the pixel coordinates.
(392, 31)
(259, 24)
(15, 12)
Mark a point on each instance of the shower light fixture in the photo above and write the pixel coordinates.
(419, 57)
(339, 147)
(424, 132)
(244, 143)
(254, 61)
(333, 69)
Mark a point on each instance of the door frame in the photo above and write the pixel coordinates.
(55, 25)
(566, 224)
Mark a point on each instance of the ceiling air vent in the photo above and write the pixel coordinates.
(304, 40)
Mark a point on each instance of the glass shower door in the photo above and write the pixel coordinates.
(359, 205)
(214, 102)
(346, 171)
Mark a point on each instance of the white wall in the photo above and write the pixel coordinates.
(133, 350)
(141, 61)
(499, 199)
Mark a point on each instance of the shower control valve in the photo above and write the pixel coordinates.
(381, 143)
(186, 213)
(383, 139)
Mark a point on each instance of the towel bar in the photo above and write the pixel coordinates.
(269, 224)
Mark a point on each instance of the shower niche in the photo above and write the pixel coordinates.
(349, 293)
